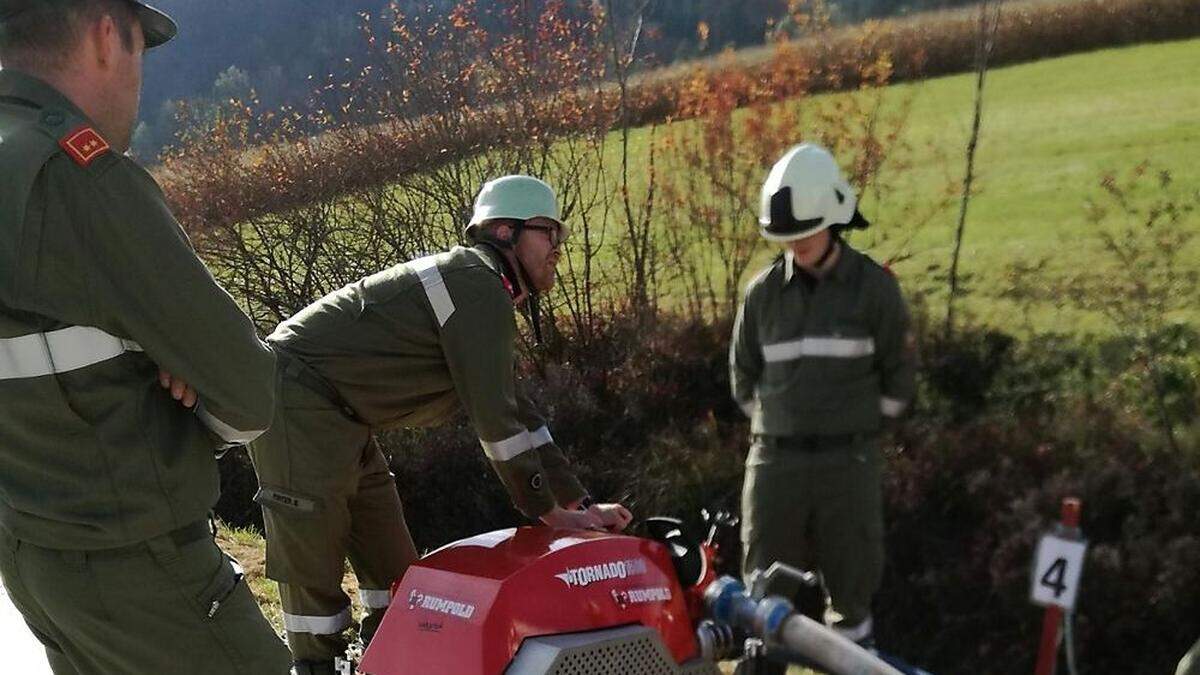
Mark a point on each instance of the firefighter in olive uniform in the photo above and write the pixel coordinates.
(405, 348)
(821, 357)
(106, 480)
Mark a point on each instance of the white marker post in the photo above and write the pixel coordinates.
(1057, 569)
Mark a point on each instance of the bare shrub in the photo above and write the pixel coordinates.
(1144, 225)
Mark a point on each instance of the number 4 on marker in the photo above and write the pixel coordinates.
(1056, 571)
(1053, 578)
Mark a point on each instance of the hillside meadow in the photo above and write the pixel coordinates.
(1051, 131)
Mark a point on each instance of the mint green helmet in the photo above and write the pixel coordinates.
(519, 198)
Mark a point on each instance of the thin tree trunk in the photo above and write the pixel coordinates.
(989, 20)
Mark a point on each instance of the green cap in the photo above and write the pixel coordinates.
(157, 26)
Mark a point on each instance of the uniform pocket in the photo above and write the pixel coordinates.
(287, 501)
(214, 596)
(236, 623)
(304, 536)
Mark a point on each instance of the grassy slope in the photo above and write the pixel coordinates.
(1050, 130)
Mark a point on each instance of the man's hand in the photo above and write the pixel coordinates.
(614, 517)
(573, 520)
(180, 390)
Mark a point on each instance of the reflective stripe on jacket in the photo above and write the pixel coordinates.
(407, 346)
(99, 287)
(827, 359)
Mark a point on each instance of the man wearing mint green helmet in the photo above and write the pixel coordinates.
(406, 347)
(822, 356)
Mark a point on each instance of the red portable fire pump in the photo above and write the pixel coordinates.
(542, 601)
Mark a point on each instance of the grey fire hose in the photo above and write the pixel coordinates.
(775, 620)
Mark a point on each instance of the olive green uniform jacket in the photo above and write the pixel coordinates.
(99, 288)
(106, 481)
(409, 346)
(833, 359)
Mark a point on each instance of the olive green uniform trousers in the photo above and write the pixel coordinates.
(817, 506)
(174, 604)
(327, 495)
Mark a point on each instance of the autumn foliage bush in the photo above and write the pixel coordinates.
(212, 181)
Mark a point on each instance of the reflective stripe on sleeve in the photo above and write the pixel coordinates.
(828, 347)
(435, 288)
(891, 407)
(317, 625)
(540, 437)
(502, 451)
(59, 351)
(374, 599)
(224, 431)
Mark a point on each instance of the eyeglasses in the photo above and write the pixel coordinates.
(553, 233)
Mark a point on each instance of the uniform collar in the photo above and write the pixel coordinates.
(840, 271)
(491, 258)
(15, 84)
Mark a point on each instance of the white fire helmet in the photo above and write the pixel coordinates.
(517, 198)
(804, 194)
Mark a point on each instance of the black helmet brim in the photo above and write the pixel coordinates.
(158, 27)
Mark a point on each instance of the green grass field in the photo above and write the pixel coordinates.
(1050, 130)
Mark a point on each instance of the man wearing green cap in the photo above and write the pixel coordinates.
(107, 480)
(405, 348)
(822, 356)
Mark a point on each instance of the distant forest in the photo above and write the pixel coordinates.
(282, 49)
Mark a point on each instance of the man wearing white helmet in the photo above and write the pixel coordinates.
(821, 358)
(405, 348)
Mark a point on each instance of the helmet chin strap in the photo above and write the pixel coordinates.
(499, 246)
(830, 246)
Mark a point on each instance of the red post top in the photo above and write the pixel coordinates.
(1070, 511)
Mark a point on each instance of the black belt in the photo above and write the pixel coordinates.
(814, 442)
(295, 368)
(187, 534)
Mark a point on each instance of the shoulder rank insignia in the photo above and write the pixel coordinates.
(84, 145)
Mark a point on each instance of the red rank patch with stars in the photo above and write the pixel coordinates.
(84, 145)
